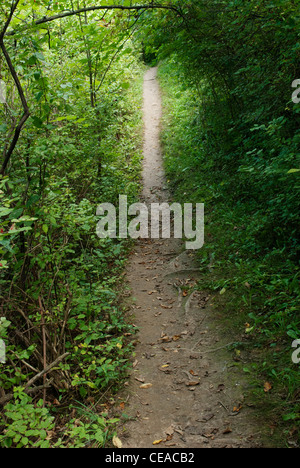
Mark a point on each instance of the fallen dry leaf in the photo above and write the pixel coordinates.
(157, 442)
(237, 409)
(117, 442)
(50, 435)
(211, 435)
(228, 430)
(140, 380)
(146, 386)
(170, 431)
(267, 387)
(193, 384)
(176, 337)
(166, 339)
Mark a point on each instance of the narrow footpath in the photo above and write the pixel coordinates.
(185, 390)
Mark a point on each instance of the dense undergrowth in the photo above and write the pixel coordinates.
(250, 259)
(70, 135)
(63, 322)
(231, 140)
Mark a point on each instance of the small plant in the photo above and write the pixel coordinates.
(25, 425)
(251, 254)
(92, 432)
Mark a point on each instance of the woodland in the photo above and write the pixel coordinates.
(71, 135)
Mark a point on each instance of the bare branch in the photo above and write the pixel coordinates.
(6, 26)
(46, 370)
(31, 390)
(8, 153)
(66, 14)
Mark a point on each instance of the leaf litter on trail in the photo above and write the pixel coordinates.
(193, 383)
(146, 386)
(228, 430)
(169, 436)
(170, 431)
(237, 409)
(157, 442)
(117, 442)
(267, 387)
(140, 380)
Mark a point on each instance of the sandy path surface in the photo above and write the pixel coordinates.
(185, 390)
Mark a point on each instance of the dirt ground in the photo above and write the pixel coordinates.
(185, 390)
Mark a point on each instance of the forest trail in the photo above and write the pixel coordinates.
(184, 390)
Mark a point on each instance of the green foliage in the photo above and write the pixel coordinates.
(25, 425)
(92, 432)
(28, 425)
(253, 272)
(60, 285)
(231, 140)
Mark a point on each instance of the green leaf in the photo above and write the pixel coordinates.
(5, 211)
(3, 128)
(37, 122)
(45, 228)
(24, 219)
(293, 171)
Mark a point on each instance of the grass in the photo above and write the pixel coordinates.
(256, 287)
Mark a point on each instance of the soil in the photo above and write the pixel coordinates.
(185, 389)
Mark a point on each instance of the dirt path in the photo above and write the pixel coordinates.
(193, 385)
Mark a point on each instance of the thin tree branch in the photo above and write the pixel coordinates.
(8, 153)
(46, 370)
(6, 26)
(30, 391)
(45, 20)
(29, 384)
(66, 14)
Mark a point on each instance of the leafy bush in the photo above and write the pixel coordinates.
(25, 425)
(60, 285)
(251, 248)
